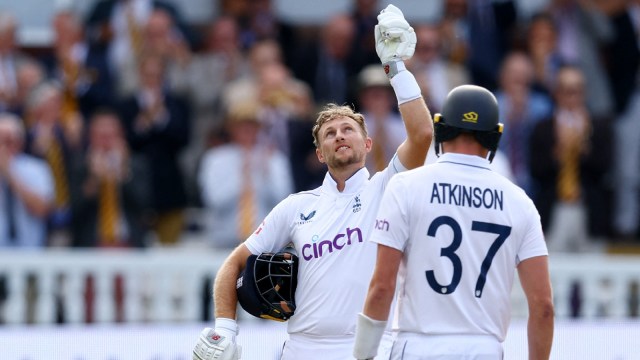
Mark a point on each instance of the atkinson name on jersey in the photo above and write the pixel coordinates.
(468, 196)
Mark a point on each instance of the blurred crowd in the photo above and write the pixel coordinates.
(136, 128)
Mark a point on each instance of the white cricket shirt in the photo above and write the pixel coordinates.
(330, 231)
(463, 230)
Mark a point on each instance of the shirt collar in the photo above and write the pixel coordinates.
(352, 185)
(464, 159)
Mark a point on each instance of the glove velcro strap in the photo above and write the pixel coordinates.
(392, 68)
(406, 87)
(368, 335)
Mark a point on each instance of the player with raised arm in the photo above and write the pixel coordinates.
(328, 226)
(451, 235)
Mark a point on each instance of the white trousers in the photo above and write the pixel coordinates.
(446, 347)
(627, 168)
(568, 228)
(309, 347)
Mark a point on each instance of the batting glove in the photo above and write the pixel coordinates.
(218, 343)
(395, 38)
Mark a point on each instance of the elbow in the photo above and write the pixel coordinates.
(422, 136)
(543, 309)
(380, 292)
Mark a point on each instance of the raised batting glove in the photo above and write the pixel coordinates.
(395, 38)
(218, 343)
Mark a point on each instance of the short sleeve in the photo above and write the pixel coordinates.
(533, 243)
(392, 223)
(274, 231)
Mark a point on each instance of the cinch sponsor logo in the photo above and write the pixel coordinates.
(317, 248)
(382, 225)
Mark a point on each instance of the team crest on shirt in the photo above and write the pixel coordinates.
(357, 206)
(306, 218)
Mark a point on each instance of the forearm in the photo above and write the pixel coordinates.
(536, 284)
(418, 122)
(540, 336)
(224, 289)
(378, 302)
(417, 119)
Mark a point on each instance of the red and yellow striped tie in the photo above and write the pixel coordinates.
(55, 159)
(568, 185)
(108, 212)
(135, 33)
(246, 204)
(70, 105)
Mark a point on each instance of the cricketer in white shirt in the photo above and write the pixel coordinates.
(328, 229)
(463, 229)
(329, 226)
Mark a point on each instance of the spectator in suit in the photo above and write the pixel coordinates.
(491, 27)
(327, 64)
(220, 62)
(10, 59)
(455, 31)
(624, 65)
(27, 191)
(242, 180)
(570, 156)
(30, 74)
(118, 25)
(157, 123)
(285, 104)
(259, 21)
(365, 17)
(163, 38)
(58, 140)
(541, 43)
(521, 108)
(583, 30)
(80, 67)
(111, 202)
(435, 73)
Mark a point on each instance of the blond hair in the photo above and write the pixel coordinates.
(332, 111)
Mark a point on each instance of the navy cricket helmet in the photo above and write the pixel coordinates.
(266, 288)
(469, 109)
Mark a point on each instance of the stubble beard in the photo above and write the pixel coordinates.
(338, 163)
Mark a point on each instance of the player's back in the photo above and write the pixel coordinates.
(468, 229)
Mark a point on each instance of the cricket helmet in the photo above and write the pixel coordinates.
(266, 288)
(469, 109)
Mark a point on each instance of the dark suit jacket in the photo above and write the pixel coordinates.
(309, 65)
(100, 16)
(623, 59)
(134, 204)
(97, 88)
(594, 168)
(161, 146)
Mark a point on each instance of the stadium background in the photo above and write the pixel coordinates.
(160, 307)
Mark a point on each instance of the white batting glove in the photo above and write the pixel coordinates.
(218, 343)
(395, 38)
